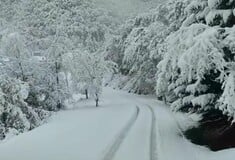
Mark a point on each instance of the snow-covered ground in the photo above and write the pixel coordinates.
(124, 127)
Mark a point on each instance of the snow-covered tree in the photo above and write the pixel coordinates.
(84, 24)
(14, 49)
(196, 73)
(194, 60)
(227, 99)
(88, 70)
(137, 49)
(35, 36)
(15, 114)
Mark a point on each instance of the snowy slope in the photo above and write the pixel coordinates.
(124, 127)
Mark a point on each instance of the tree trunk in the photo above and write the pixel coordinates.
(59, 105)
(22, 71)
(96, 100)
(20, 65)
(86, 92)
(57, 73)
(67, 81)
(164, 99)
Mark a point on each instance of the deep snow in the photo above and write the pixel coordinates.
(122, 128)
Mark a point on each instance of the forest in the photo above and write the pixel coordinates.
(181, 53)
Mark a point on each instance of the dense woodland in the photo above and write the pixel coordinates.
(180, 50)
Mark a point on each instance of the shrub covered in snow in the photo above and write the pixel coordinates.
(15, 113)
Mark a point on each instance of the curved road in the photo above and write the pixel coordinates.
(124, 127)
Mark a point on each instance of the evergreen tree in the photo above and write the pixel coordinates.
(196, 73)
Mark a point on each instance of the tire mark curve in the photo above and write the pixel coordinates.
(121, 136)
(153, 137)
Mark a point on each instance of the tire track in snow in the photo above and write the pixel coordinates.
(121, 136)
(153, 137)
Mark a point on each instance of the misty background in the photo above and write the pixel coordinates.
(126, 8)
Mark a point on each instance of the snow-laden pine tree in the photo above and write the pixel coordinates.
(193, 62)
(196, 73)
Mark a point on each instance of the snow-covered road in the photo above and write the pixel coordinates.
(124, 127)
